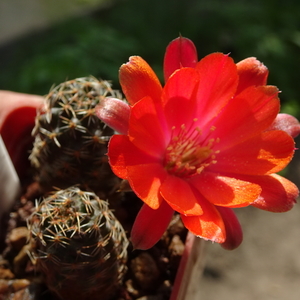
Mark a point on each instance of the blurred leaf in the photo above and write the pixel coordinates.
(99, 43)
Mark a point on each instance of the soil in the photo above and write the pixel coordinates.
(150, 274)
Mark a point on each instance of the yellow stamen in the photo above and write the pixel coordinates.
(188, 153)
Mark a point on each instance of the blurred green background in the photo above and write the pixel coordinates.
(98, 43)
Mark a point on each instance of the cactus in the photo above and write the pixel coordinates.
(79, 245)
(70, 141)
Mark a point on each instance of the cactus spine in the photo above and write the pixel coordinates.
(70, 141)
(80, 246)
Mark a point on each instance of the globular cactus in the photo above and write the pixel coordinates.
(80, 247)
(70, 140)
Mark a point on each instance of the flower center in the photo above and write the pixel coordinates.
(188, 153)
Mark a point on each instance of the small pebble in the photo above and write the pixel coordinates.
(145, 269)
(6, 273)
(176, 247)
(13, 285)
(18, 237)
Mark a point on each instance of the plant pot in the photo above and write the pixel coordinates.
(17, 113)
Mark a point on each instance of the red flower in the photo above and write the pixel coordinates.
(208, 141)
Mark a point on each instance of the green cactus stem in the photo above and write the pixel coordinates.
(80, 246)
(70, 141)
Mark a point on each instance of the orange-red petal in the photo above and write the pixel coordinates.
(146, 180)
(138, 80)
(263, 154)
(179, 97)
(246, 115)
(218, 80)
(115, 113)
(122, 154)
(181, 196)
(251, 72)
(116, 156)
(287, 123)
(226, 191)
(278, 193)
(143, 172)
(234, 233)
(209, 226)
(181, 52)
(147, 127)
(182, 84)
(150, 225)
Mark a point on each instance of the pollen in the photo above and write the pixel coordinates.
(188, 152)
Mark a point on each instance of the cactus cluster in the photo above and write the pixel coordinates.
(80, 246)
(70, 141)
